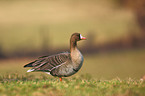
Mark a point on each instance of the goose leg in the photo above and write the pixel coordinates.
(60, 78)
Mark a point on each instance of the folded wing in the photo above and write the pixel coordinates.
(48, 63)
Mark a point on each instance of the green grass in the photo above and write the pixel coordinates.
(122, 64)
(83, 85)
(106, 74)
(21, 26)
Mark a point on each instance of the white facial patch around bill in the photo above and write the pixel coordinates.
(81, 36)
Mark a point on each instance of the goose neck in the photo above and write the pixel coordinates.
(73, 45)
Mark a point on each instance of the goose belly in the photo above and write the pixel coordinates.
(64, 71)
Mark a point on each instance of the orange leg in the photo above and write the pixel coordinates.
(60, 79)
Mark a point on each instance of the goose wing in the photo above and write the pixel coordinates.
(47, 63)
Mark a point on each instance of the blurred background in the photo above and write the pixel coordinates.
(115, 32)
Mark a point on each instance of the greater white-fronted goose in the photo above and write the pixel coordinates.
(63, 64)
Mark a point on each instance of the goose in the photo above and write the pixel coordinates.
(63, 64)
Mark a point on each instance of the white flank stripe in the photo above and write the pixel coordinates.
(57, 66)
(30, 70)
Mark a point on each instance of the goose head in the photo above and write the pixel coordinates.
(74, 38)
(77, 37)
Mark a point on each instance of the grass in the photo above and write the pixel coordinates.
(83, 85)
(122, 64)
(107, 74)
(21, 26)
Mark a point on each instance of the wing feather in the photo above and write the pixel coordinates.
(47, 63)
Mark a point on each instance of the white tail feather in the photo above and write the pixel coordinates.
(47, 73)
